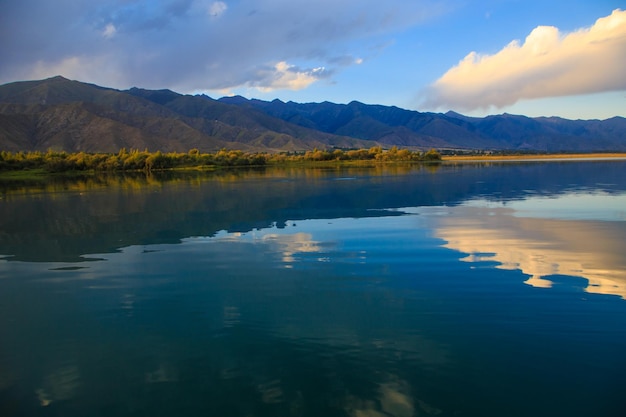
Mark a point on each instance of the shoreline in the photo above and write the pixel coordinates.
(38, 172)
(534, 157)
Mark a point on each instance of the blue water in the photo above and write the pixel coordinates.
(458, 290)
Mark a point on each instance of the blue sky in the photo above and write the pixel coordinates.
(537, 58)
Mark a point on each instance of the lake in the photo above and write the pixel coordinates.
(469, 289)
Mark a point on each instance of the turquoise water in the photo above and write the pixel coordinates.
(459, 290)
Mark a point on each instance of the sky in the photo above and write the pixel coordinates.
(563, 58)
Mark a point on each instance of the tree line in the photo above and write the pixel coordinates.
(135, 160)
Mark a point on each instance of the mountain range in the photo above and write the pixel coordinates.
(61, 114)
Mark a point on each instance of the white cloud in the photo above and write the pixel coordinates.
(287, 77)
(548, 64)
(217, 8)
(109, 31)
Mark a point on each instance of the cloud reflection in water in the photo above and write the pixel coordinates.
(526, 235)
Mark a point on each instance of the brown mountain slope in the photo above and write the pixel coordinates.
(69, 115)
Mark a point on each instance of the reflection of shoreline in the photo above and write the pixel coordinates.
(592, 250)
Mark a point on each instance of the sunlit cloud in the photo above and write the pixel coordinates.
(548, 63)
(287, 77)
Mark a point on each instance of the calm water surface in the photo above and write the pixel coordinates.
(459, 290)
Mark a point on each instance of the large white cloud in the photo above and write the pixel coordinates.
(548, 64)
(194, 45)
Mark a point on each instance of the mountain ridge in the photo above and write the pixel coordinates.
(61, 114)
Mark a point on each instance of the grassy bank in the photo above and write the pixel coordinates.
(135, 160)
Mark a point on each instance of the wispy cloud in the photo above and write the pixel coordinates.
(217, 8)
(109, 31)
(548, 64)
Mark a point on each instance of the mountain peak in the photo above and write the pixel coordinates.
(158, 96)
(234, 99)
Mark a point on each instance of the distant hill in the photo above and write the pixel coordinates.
(395, 126)
(61, 114)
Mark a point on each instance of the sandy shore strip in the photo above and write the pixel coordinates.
(532, 157)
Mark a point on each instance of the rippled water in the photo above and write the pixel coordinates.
(462, 290)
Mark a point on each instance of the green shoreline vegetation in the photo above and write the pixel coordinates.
(19, 164)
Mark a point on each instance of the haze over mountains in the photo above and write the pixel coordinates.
(60, 114)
